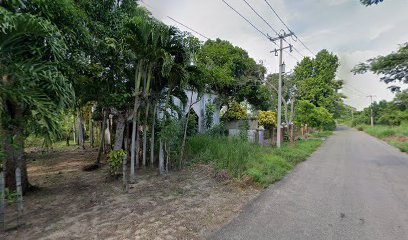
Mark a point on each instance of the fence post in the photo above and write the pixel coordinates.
(2, 201)
(273, 140)
(261, 135)
(19, 196)
(125, 175)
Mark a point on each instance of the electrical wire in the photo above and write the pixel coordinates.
(280, 19)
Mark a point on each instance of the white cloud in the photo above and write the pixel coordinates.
(352, 31)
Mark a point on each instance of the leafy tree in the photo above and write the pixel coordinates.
(230, 72)
(32, 85)
(393, 66)
(288, 93)
(315, 117)
(315, 81)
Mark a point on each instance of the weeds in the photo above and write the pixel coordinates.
(395, 136)
(263, 165)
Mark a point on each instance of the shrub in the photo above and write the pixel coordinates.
(235, 112)
(267, 119)
(315, 117)
(115, 162)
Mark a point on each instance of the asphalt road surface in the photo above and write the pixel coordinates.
(353, 187)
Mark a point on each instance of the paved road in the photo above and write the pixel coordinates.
(353, 187)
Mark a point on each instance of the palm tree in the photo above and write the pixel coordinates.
(31, 85)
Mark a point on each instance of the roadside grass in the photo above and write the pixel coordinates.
(263, 165)
(395, 136)
(322, 134)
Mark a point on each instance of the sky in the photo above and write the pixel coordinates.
(352, 31)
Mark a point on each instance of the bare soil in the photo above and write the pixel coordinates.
(397, 138)
(73, 204)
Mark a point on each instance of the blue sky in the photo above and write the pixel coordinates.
(344, 27)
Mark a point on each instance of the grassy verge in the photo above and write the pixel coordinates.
(263, 165)
(395, 136)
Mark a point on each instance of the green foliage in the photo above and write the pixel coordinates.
(217, 131)
(230, 72)
(395, 136)
(10, 196)
(209, 114)
(115, 161)
(391, 113)
(32, 80)
(315, 117)
(242, 159)
(192, 125)
(315, 81)
(392, 66)
(235, 112)
(267, 119)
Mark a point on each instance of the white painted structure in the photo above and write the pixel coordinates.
(200, 107)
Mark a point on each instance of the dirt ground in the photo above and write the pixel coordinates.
(73, 204)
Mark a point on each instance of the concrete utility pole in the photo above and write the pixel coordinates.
(281, 38)
(371, 108)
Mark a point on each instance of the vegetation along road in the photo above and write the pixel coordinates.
(354, 187)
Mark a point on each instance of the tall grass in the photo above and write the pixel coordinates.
(264, 165)
(394, 135)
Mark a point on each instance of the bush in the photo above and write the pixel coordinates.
(315, 117)
(115, 162)
(267, 119)
(235, 112)
(217, 131)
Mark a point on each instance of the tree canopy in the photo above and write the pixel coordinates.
(370, 2)
(315, 80)
(393, 67)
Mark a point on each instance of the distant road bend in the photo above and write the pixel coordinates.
(353, 187)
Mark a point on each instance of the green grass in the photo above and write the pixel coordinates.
(263, 165)
(322, 134)
(392, 135)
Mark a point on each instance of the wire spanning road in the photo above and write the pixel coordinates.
(353, 187)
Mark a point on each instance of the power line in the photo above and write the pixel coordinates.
(280, 19)
(257, 29)
(269, 25)
(263, 19)
(188, 27)
(178, 22)
(246, 19)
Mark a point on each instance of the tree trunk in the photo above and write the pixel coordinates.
(145, 135)
(161, 152)
(102, 142)
(137, 155)
(13, 147)
(183, 144)
(120, 127)
(152, 136)
(74, 131)
(107, 132)
(80, 130)
(91, 130)
(161, 158)
(138, 78)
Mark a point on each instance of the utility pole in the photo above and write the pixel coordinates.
(280, 37)
(371, 108)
